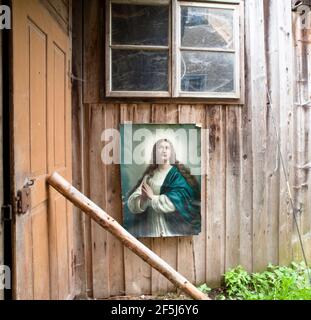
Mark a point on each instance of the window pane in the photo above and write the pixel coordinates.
(141, 70)
(206, 27)
(207, 71)
(140, 24)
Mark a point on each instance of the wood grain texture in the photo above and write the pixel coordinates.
(216, 196)
(246, 218)
(233, 186)
(193, 249)
(98, 194)
(257, 76)
(78, 146)
(114, 206)
(246, 187)
(285, 104)
(137, 272)
(87, 223)
(92, 54)
(272, 165)
(302, 146)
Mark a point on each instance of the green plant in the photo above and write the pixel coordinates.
(204, 288)
(276, 283)
(237, 281)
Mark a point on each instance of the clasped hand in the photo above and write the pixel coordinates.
(147, 192)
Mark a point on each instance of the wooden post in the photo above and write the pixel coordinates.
(111, 225)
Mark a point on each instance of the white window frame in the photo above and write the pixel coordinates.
(174, 48)
(110, 47)
(177, 48)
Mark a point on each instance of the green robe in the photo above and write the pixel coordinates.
(187, 218)
(185, 221)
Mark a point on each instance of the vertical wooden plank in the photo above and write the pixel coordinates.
(257, 103)
(137, 272)
(69, 153)
(77, 145)
(166, 248)
(233, 186)
(272, 172)
(92, 54)
(216, 196)
(114, 207)
(87, 223)
(246, 206)
(192, 249)
(306, 214)
(285, 103)
(299, 112)
(98, 194)
(246, 196)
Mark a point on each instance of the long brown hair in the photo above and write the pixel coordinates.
(185, 171)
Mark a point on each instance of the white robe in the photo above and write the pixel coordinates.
(158, 206)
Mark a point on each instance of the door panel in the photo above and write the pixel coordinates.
(42, 144)
(40, 253)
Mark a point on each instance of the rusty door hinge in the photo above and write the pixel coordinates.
(23, 200)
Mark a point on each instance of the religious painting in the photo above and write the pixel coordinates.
(161, 179)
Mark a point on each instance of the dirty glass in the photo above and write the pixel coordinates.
(140, 24)
(207, 71)
(139, 70)
(207, 27)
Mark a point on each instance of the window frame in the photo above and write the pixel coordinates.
(174, 60)
(110, 47)
(177, 48)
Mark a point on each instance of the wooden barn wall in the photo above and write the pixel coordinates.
(246, 211)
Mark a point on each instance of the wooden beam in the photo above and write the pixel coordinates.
(111, 225)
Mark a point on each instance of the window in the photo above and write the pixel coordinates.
(173, 49)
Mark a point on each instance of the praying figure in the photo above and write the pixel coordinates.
(166, 200)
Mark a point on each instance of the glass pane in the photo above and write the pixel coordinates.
(141, 70)
(140, 24)
(206, 27)
(207, 71)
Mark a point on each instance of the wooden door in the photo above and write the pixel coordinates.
(43, 255)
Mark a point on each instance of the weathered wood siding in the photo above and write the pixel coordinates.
(302, 136)
(245, 206)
